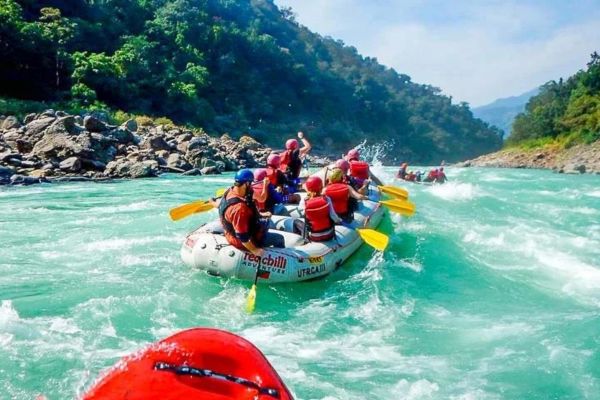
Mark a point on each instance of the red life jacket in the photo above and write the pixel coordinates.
(257, 188)
(291, 164)
(339, 193)
(359, 170)
(273, 175)
(321, 228)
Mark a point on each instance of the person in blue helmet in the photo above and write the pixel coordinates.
(245, 227)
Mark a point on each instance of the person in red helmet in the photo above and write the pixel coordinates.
(359, 170)
(291, 158)
(441, 176)
(432, 175)
(267, 197)
(343, 197)
(401, 174)
(242, 222)
(320, 217)
(275, 175)
(344, 166)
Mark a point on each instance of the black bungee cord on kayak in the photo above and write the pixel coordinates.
(187, 370)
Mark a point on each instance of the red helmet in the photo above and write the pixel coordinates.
(343, 165)
(291, 144)
(314, 184)
(353, 155)
(273, 160)
(260, 174)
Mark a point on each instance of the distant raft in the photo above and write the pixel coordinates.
(199, 363)
(206, 248)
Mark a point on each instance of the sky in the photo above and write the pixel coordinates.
(475, 51)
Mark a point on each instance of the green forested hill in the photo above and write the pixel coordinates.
(564, 112)
(242, 66)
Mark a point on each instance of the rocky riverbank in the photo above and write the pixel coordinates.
(54, 146)
(578, 159)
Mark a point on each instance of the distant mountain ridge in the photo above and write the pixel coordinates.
(502, 112)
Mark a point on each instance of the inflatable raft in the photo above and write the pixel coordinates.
(300, 260)
(196, 364)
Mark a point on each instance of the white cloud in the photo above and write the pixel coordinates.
(476, 52)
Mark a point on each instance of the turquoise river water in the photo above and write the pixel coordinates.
(491, 291)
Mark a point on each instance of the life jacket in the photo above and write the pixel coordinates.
(320, 225)
(254, 225)
(266, 205)
(339, 193)
(275, 176)
(291, 164)
(359, 170)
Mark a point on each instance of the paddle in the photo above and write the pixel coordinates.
(194, 207)
(405, 208)
(186, 210)
(394, 191)
(251, 299)
(377, 240)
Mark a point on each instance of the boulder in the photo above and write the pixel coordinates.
(131, 169)
(184, 137)
(121, 135)
(48, 113)
(248, 142)
(130, 125)
(25, 180)
(41, 173)
(574, 169)
(71, 164)
(10, 122)
(6, 172)
(176, 160)
(28, 118)
(155, 142)
(23, 146)
(210, 171)
(182, 147)
(63, 125)
(192, 172)
(95, 165)
(57, 145)
(93, 124)
(37, 126)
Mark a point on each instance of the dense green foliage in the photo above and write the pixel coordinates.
(239, 66)
(563, 113)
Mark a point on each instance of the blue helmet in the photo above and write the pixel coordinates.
(244, 176)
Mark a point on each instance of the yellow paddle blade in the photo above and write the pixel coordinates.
(220, 192)
(251, 300)
(186, 210)
(400, 206)
(375, 239)
(394, 191)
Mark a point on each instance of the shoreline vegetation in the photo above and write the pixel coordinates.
(242, 67)
(53, 146)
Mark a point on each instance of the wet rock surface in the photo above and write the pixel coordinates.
(53, 146)
(578, 159)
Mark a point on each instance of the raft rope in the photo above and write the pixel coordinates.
(187, 370)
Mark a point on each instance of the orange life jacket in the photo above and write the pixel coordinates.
(359, 170)
(339, 193)
(321, 228)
